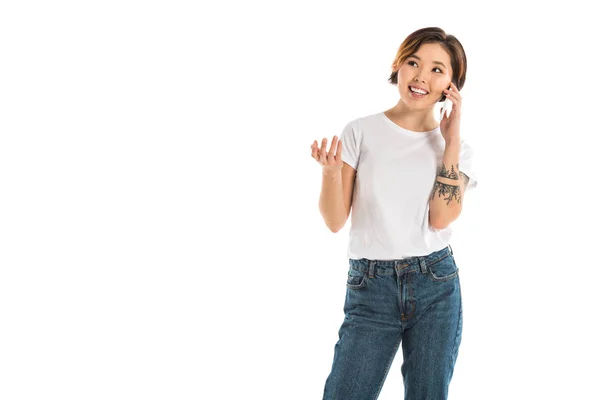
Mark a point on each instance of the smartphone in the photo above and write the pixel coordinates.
(447, 107)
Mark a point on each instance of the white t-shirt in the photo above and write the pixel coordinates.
(396, 171)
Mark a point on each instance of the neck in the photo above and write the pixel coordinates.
(418, 120)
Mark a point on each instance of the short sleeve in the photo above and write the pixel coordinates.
(350, 147)
(466, 165)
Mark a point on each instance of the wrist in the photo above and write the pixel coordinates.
(453, 143)
(332, 173)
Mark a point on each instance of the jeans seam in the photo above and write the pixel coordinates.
(444, 278)
(387, 367)
(360, 285)
(454, 347)
(438, 260)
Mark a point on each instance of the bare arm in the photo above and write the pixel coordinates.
(337, 188)
(445, 204)
(336, 198)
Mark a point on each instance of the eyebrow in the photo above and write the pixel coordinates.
(435, 62)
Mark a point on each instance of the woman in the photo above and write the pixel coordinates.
(404, 177)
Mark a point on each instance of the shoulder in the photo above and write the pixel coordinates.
(366, 122)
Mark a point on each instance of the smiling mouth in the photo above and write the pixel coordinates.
(417, 93)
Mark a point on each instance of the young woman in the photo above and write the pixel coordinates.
(404, 176)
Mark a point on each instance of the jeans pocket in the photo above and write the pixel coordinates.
(443, 269)
(356, 278)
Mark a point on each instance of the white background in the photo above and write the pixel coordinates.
(159, 221)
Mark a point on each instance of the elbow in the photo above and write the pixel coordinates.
(439, 223)
(335, 229)
(439, 226)
(335, 224)
(442, 221)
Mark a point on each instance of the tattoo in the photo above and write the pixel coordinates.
(444, 173)
(444, 189)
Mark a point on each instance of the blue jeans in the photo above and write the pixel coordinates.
(415, 301)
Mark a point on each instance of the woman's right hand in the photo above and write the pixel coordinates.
(329, 161)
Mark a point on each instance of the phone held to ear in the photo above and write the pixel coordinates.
(447, 108)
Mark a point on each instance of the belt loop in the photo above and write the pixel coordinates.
(372, 268)
(451, 252)
(423, 264)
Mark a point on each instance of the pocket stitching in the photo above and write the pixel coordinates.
(362, 279)
(442, 278)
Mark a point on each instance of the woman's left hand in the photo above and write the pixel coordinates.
(450, 126)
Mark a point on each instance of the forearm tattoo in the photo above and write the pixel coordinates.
(444, 173)
(449, 191)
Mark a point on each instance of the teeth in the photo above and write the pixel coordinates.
(418, 90)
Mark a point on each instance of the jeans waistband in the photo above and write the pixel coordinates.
(409, 263)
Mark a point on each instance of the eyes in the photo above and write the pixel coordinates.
(434, 68)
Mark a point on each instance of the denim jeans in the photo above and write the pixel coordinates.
(415, 301)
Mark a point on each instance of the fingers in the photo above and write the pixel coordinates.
(454, 94)
(333, 147)
(315, 151)
(322, 155)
